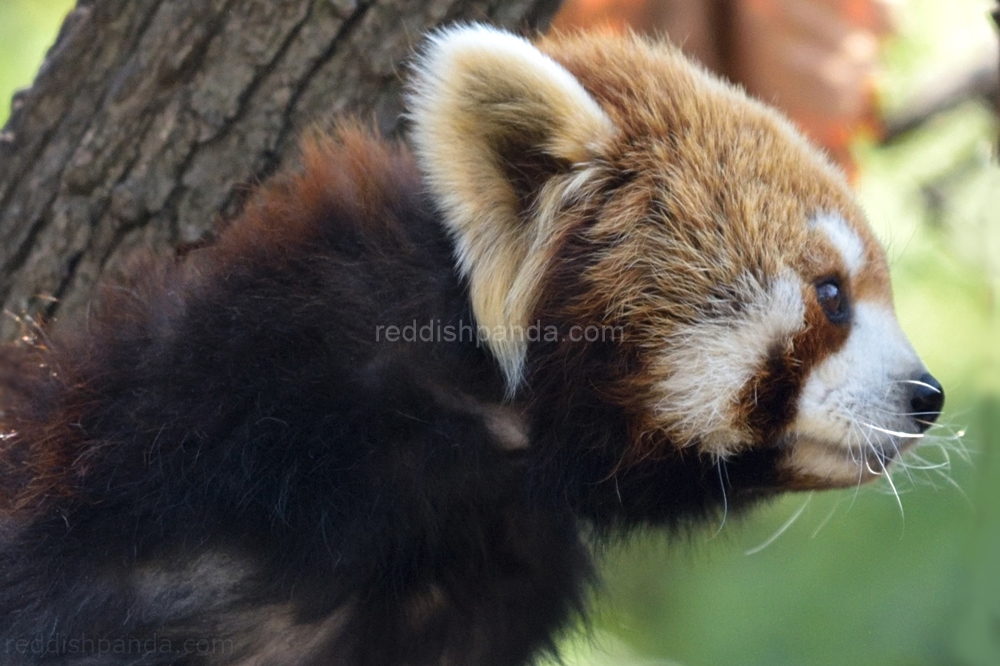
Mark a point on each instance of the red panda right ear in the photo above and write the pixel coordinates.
(494, 120)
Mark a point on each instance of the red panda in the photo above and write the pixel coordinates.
(369, 424)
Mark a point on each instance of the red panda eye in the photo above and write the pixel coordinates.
(833, 301)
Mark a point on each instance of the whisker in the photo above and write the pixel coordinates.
(903, 465)
(953, 442)
(922, 464)
(899, 501)
(889, 412)
(781, 530)
(894, 433)
(867, 440)
(915, 382)
(868, 464)
(954, 484)
(857, 486)
(719, 466)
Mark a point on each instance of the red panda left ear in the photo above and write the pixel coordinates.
(495, 121)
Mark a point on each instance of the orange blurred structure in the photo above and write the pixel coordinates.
(815, 59)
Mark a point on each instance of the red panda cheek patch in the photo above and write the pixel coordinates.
(706, 366)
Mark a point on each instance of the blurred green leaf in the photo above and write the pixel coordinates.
(27, 29)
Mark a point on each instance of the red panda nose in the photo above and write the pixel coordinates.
(926, 401)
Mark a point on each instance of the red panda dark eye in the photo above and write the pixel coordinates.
(832, 299)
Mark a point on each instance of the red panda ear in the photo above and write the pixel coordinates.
(494, 120)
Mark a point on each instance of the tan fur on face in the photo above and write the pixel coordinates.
(663, 202)
(724, 204)
(721, 195)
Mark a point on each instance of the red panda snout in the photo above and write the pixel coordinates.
(871, 398)
(863, 406)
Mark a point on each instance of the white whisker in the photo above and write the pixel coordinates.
(826, 520)
(781, 530)
(915, 382)
(922, 465)
(719, 466)
(899, 501)
(894, 433)
(868, 464)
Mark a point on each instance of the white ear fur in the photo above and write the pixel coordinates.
(490, 111)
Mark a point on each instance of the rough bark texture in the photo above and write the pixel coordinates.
(150, 119)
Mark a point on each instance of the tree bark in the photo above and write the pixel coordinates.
(150, 119)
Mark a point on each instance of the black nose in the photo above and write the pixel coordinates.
(926, 401)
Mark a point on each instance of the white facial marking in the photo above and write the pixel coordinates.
(711, 362)
(851, 397)
(844, 238)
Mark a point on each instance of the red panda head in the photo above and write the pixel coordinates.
(609, 182)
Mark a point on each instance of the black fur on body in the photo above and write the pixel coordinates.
(228, 454)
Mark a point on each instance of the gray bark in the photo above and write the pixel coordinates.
(151, 119)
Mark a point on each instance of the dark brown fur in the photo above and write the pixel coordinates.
(236, 450)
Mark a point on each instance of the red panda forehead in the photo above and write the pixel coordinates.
(714, 172)
(701, 145)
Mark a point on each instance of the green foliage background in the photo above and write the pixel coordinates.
(859, 577)
(27, 28)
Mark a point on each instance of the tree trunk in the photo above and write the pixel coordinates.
(150, 119)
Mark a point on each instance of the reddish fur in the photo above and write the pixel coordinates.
(39, 445)
(231, 448)
(44, 457)
(346, 171)
(757, 227)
